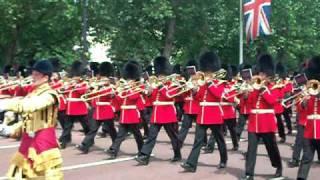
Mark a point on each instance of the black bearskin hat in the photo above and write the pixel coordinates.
(192, 62)
(161, 66)
(106, 69)
(281, 70)
(131, 70)
(7, 69)
(77, 69)
(313, 68)
(55, 63)
(176, 69)
(265, 64)
(209, 62)
(149, 69)
(234, 70)
(94, 66)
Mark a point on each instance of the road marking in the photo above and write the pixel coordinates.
(79, 166)
(9, 146)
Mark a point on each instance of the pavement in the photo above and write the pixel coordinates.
(96, 166)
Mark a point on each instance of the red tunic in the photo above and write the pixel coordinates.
(312, 129)
(191, 105)
(104, 109)
(262, 117)
(129, 113)
(75, 105)
(210, 109)
(302, 115)
(163, 111)
(279, 95)
(229, 112)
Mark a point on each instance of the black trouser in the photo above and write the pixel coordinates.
(298, 144)
(105, 128)
(241, 124)
(146, 115)
(309, 148)
(122, 134)
(88, 141)
(270, 143)
(199, 136)
(185, 126)
(179, 108)
(287, 118)
(153, 134)
(62, 118)
(280, 126)
(231, 125)
(68, 124)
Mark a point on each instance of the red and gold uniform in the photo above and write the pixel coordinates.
(38, 155)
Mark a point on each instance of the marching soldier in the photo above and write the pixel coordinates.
(244, 109)
(129, 113)
(312, 128)
(38, 155)
(77, 109)
(191, 109)
(210, 114)
(262, 122)
(103, 109)
(163, 114)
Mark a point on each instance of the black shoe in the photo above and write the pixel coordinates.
(112, 156)
(83, 149)
(278, 173)
(222, 165)
(62, 145)
(102, 134)
(289, 132)
(142, 160)
(293, 163)
(176, 157)
(244, 154)
(247, 177)
(282, 140)
(236, 148)
(207, 150)
(187, 167)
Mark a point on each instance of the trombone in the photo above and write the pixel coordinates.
(184, 86)
(98, 93)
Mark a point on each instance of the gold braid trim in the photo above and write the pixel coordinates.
(18, 166)
(45, 160)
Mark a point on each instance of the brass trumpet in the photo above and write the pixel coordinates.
(97, 93)
(313, 87)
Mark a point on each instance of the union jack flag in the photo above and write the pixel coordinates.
(257, 15)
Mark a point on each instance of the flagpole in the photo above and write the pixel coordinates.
(241, 34)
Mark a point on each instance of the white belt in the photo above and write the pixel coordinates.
(74, 99)
(209, 104)
(128, 107)
(226, 104)
(103, 103)
(262, 111)
(188, 98)
(162, 103)
(313, 117)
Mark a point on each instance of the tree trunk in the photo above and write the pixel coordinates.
(171, 28)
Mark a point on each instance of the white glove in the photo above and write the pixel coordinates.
(190, 85)
(2, 105)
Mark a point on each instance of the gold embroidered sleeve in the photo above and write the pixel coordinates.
(30, 104)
